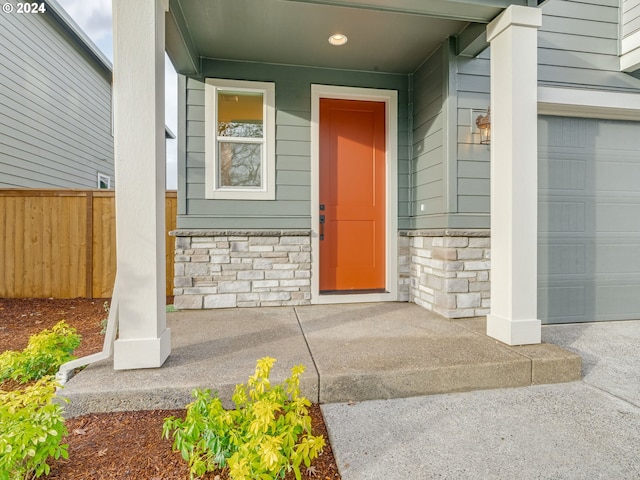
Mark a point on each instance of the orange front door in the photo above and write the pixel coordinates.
(352, 196)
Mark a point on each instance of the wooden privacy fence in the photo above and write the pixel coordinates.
(62, 243)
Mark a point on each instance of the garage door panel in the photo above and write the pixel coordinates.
(565, 132)
(588, 220)
(561, 216)
(564, 259)
(617, 301)
(618, 176)
(589, 258)
(620, 217)
(618, 258)
(561, 303)
(562, 174)
(614, 135)
(589, 302)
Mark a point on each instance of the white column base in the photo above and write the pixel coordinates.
(514, 332)
(141, 353)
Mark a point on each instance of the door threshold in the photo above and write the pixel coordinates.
(354, 296)
(353, 292)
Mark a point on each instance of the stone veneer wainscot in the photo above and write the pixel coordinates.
(450, 271)
(242, 268)
(446, 271)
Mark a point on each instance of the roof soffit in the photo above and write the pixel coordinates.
(393, 36)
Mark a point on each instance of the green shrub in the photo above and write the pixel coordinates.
(31, 428)
(44, 354)
(267, 435)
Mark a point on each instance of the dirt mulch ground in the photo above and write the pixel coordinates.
(123, 445)
(23, 317)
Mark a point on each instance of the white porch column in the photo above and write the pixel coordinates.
(514, 172)
(138, 81)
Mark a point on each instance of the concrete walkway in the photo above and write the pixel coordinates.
(581, 430)
(352, 352)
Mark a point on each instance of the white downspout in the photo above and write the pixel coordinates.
(66, 370)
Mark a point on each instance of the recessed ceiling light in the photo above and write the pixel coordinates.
(338, 39)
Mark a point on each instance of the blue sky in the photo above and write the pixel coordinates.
(94, 17)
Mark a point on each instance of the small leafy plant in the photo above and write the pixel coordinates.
(31, 428)
(105, 321)
(43, 355)
(264, 437)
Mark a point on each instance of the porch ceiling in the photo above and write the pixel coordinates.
(384, 35)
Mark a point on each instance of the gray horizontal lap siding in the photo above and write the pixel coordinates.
(428, 148)
(473, 85)
(292, 207)
(577, 48)
(630, 17)
(55, 108)
(451, 172)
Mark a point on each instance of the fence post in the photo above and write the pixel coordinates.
(89, 245)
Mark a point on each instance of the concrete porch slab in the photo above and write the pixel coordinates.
(215, 349)
(549, 363)
(351, 351)
(396, 350)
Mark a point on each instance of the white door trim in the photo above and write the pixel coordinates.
(390, 98)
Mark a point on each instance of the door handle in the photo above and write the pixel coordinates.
(321, 227)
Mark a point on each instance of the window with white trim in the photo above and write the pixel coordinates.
(240, 140)
(104, 181)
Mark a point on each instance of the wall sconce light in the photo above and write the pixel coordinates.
(483, 125)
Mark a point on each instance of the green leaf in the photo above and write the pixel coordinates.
(30, 429)
(185, 452)
(262, 438)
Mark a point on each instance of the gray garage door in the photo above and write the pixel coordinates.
(588, 220)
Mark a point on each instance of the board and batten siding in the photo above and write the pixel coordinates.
(55, 108)
(577, 48)
(292, 207)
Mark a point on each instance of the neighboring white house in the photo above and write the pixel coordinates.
(540, 225)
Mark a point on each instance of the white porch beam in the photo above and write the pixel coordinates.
(472, 40)
(138, 84)
(514, 186)
(465, 10)
(630, 50)
(571, 102)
